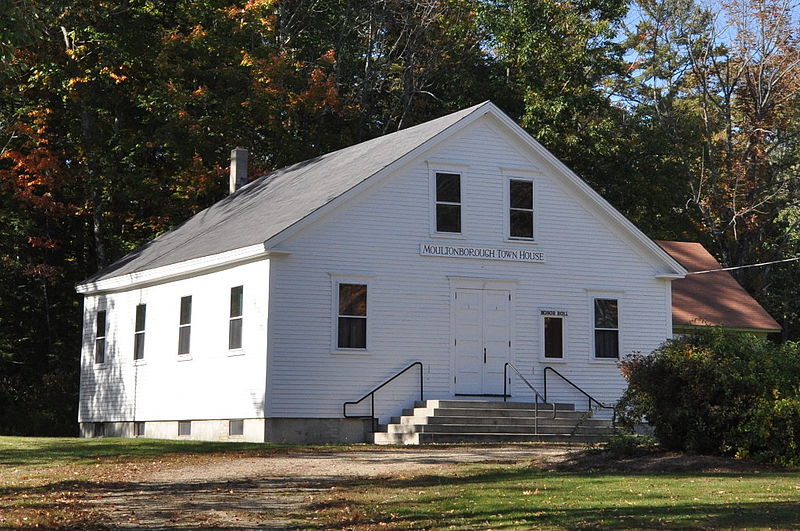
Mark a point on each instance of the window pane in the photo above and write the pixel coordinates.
(186, 310)
(448, 218)
(553, 337)
(448, 187)
(140, 316)
(236, 301)
(352, 332)
(138, 429)
(235, 334)
(605, 313)
(521, 224)
(184, 427)
(99, 429)
(138, 346)
(184, 334)
(522, 194)
(100, 350)
(352, 299)
(606, 343)
(236, 427)
(101, 324)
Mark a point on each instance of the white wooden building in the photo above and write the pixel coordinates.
(460, 243)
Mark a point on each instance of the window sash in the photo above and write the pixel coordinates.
(553, 337)
(100, 337)
(184, 427)
(520, 217)
(235, 333)
(138, 345)
(184, 339)
(448, 209)
(138, 335)
(235, 427)
(352, 316)
(606, 328)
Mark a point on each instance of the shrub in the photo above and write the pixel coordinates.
(718, 392)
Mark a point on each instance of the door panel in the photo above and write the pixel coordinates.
(469, 341)
(482, 335)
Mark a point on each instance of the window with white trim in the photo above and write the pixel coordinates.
(520, 205)
(138, 334)
(235, 321)
(185, 326)
(184, 428)
(100, 337)
(606, 328)
(448, 202)
(553, 334)
(351, 316)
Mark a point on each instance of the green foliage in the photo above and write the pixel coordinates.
(719, 393)
(631, 445)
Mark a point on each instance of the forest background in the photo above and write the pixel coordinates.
(117, 119)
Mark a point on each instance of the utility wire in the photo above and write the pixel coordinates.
(744, 266)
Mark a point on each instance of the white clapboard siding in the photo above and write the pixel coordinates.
(211, 383)
(378, 234)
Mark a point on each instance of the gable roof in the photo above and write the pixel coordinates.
(712, 299)
(281, 200)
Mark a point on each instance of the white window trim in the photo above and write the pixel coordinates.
(365, 279)
(513, 174)
(564, 335)
(188, 355)
(240, 350)
(435, 167)
(606, 294)
(139, 361)
(100, 364)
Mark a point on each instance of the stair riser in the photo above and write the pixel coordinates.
(515, 413)
(474, 404)
(493, 421)
(428, 438)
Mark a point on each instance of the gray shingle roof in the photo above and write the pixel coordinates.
(276, 201)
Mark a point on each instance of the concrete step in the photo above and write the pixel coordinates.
(489, 429)
(491, 412)
(480, 438)
(491, 404)
(521, 421)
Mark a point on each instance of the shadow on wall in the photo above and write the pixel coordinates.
(105, 394)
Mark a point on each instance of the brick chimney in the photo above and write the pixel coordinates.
(238, 169)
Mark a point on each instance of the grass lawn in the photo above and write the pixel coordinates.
(524, 497)
(51, 482)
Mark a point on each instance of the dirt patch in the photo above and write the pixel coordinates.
(264, 492)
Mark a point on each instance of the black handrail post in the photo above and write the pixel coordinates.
(505, 379)
(545, 384)
(421, 383)
(374, 427)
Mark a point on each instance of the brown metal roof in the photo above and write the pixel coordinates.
(711, 299)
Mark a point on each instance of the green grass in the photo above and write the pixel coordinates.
(519, 497)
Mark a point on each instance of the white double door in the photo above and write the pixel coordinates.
(482, 340)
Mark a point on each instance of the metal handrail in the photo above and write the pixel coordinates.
(372, 395)
(587, 395)
(536, 395)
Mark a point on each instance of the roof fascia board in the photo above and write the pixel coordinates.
(186, 268)
(378, 176)
(589, 193)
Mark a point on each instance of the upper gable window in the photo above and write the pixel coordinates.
(448, 202)
(520, 221)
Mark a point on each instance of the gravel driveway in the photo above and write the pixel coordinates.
(256, 492)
